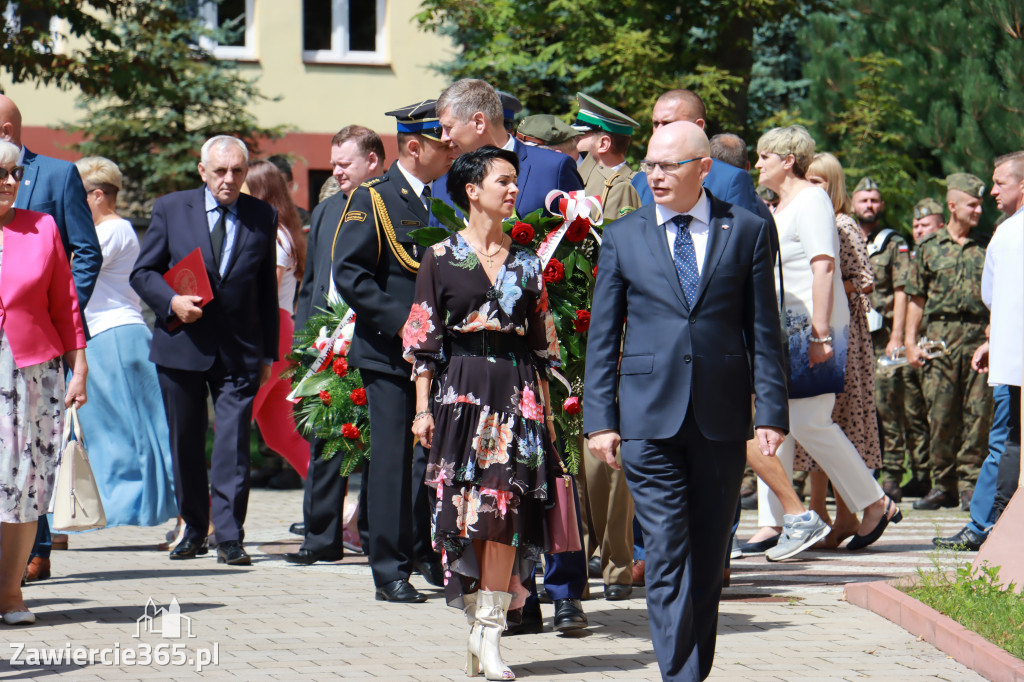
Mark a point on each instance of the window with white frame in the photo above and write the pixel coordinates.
(237, 15)
(343, 31)
(16, 18)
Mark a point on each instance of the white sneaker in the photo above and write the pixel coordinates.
(798, 533)
(19, 618)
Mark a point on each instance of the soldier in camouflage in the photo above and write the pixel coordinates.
(928, 218)
(889, 257)
(945, 289)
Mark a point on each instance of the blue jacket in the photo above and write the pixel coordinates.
(709, 355)
(540, 171)
(55, 187)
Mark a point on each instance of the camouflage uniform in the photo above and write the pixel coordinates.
(948, 276)
(915, 414)
(889, 266)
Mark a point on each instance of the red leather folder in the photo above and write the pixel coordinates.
(189, 278)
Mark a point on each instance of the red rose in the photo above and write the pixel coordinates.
(522, 232)
(340, 366)
(554, 271)
(578, 229)
(572, 405)
(358, 396)
(582, 322)
(350, 431)
(325, 397)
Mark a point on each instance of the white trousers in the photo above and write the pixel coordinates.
(810, 423)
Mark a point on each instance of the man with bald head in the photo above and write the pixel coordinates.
(53, 186)
(694, 277)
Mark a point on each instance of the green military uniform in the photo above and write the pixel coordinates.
(889, 257)
(948, 276)
(606, 506)
(915, 408)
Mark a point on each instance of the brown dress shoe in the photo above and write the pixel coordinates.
(38, 569)
(639, 567)
(937, 498)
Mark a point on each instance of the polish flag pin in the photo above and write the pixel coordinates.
(725, 227)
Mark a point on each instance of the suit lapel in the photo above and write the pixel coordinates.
(523, 152)
(658, 244)
(412, 202)
(195, 210)
(29, 182)
(718, 237)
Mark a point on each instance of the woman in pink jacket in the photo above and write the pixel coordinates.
(39, 324)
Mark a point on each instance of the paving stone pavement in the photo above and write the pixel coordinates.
(783, 621)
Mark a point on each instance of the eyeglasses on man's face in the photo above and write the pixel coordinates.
(665, 166)
(18, 172)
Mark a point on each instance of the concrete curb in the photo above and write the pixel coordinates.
(967, 647)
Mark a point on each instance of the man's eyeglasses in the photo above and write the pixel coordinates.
(666, 166)
(18, 172)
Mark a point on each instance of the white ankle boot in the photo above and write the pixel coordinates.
(491, 610)
(475, 635)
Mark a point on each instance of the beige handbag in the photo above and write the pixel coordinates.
(76, 499)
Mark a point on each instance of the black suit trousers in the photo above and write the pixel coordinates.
(323, 501)
(223, 496)
(398, 526)
(685, 489)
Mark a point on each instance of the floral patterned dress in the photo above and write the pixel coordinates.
(491, 460)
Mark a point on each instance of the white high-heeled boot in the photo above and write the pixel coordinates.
(491, 611)
(475, 634)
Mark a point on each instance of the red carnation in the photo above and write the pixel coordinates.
(522, 232)
(572, 405)
(554, 271)
(578, 229)
(582, 322)
(325, 397)
(350, 431)
(358, 396)
(340, 366)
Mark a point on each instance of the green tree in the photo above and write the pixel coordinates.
(625, 53)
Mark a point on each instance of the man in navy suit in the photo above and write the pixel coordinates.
(53, 186)
(471, 116)
(727, 182)
(694, 278)
(226, 347)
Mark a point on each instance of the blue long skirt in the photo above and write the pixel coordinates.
(126, 429)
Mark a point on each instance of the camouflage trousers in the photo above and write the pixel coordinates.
(959, 407)
(889, 398)
(915, 415)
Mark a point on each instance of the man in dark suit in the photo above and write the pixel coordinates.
(693, 276)
(53, 186)
(226, 347)
(357, 153)
(375, 266)
(472, 117)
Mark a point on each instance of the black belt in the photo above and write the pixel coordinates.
(957, 317)
(488, 344)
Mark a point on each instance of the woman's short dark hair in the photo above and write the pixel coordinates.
(472, 168)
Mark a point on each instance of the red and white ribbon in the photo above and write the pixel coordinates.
(571, 205)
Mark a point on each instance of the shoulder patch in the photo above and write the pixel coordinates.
(355, 216)
(372, 181)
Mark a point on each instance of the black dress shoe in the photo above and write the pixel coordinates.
(525, 621)
(569, 615)
(594, 567)
(432, 572)
(189, 549)
(965, 541)
(617, 592)
(297, 529)
(400, 591)
(759, 547)
(311, 556)
(935, 499)
(232, 553)
(862, 541)
(916, 487)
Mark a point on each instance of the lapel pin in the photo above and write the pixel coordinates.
(725, 227)
(405, 191)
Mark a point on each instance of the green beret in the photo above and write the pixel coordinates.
(965, 182)
(866, 184)
(545, 129)
(927, 207)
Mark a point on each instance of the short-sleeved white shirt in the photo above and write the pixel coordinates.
(286, 259)
(113, 302)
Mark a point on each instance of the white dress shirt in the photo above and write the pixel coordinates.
(1002, 289)
(415, 184)
(700, 227)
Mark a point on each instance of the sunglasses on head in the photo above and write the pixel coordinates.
(18, 172)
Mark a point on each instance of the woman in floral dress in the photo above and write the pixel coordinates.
(481, 334)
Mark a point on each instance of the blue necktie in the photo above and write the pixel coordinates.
(685, 258)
